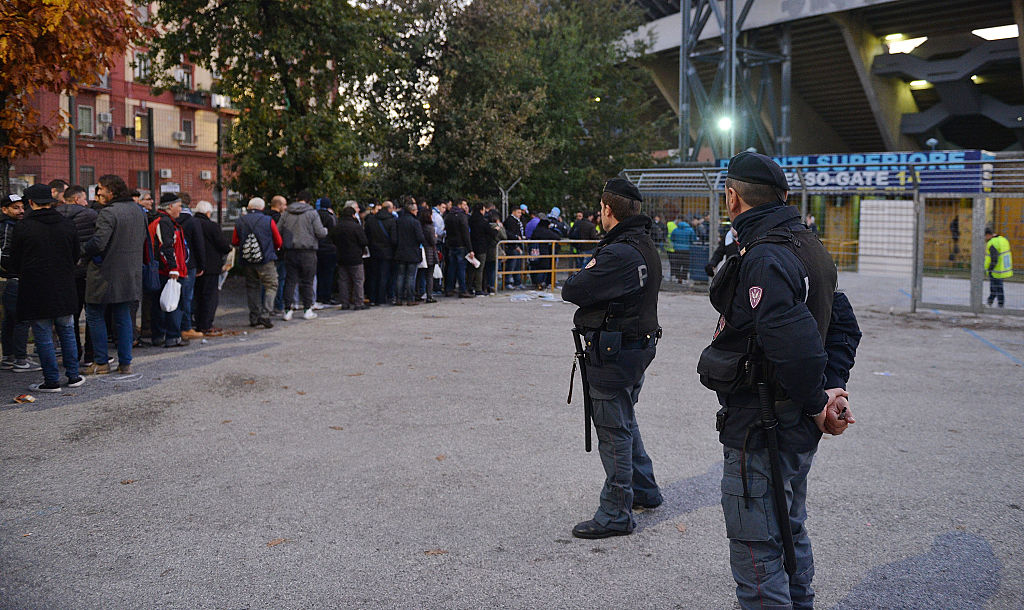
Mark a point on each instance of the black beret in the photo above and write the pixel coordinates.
(757, 169)
(623, 187)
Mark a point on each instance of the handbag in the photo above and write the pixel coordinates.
(150, 270)
(170, 295)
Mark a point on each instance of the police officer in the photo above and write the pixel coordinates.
(780, 314)
(617, 294)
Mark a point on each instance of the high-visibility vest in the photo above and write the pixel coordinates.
(1004, 259)
(671, 226)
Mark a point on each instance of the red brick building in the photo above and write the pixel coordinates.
(106, 115)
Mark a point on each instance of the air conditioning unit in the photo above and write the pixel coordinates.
(165, 173)
(179, 136)
(205, 174)
(105, 117)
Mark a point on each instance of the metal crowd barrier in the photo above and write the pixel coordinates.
(552, 269)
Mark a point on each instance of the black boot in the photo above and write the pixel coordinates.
(592, 530)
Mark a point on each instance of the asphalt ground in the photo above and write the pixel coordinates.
(424, 457)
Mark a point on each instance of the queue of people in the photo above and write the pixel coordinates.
(61, 255)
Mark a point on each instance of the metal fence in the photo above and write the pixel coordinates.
(540, 262)
(921, 223)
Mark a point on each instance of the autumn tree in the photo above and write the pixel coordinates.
(52, 45)
(292, 69)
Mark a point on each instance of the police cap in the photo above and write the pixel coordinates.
(623, 187)
(757, 169)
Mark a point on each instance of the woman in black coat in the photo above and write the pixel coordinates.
(215, 247)
(425, 277)
(44, 251)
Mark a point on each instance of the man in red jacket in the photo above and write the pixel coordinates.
(171, 251)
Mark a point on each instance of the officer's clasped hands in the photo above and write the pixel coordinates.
(836, 416)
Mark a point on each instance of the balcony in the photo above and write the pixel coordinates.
(199, 99)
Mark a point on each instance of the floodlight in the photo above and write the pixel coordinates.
(997, 33)
(725, 123)
(905, 45)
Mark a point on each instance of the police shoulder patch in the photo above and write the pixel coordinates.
(592, 262)
(756, 292)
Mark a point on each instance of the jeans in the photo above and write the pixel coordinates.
(515, 264)
(456, 271)
(121, 314)
(405, 281)
(995, 291)
(282, 273)
(629, 472)
(755, 544)
(261, 286)
(301, 270)
(14, 334)
(383, 285)
(43, 332)
(350, 284)
(84, 349)
(326, 263)
(188, 286)
(166, 324)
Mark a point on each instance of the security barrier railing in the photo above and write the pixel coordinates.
(532, 262)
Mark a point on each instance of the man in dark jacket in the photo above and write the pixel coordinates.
(457, 240)
(409, 238)
(326, 254)
(542, 262)
(215, 247)
(14, 333)
(114, 278)
(349, 241)
(301, 231)
(194, 263)
(480, 234)
(584, 228)
(258, 241)
(380, 233)
(514, 230)
(44, 253)
(76, 209)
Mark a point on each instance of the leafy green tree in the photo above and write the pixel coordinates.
(546, 91)
(291, 68)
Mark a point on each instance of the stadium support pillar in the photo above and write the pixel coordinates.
(889, 98)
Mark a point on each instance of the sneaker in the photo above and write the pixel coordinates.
(96, 369)
(318, 306)
(287, 315)
(124, 369)
(265, 323)
(191, 334)
(213, 332)
(77, 381)
(25, 366)
(45, 387)
(178, 343)
(6, 364)
(309, 314)
(277, 313)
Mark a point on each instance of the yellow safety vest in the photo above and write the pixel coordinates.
(1004, 259)
(671, 226)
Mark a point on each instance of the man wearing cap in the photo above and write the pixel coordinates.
(617, 295)
(258, 240)
(780, 311)
(171, 251)
(13, 332)
(998, 265)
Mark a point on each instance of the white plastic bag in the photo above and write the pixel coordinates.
(170, 295)
(437, 272)
(423, 259)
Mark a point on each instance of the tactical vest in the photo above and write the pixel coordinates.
(723, 365)
(635, 316)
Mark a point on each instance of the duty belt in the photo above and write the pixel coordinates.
(648, 340)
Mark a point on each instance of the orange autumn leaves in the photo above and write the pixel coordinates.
(53, 45)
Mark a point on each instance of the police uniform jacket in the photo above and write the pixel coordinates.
(617, 293)
(806, 330)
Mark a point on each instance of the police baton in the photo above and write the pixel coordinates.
(588, 406)
(770, 423)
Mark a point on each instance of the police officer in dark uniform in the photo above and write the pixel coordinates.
(779, 361)
(617, 294)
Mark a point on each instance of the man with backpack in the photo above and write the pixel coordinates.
(257, 239)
